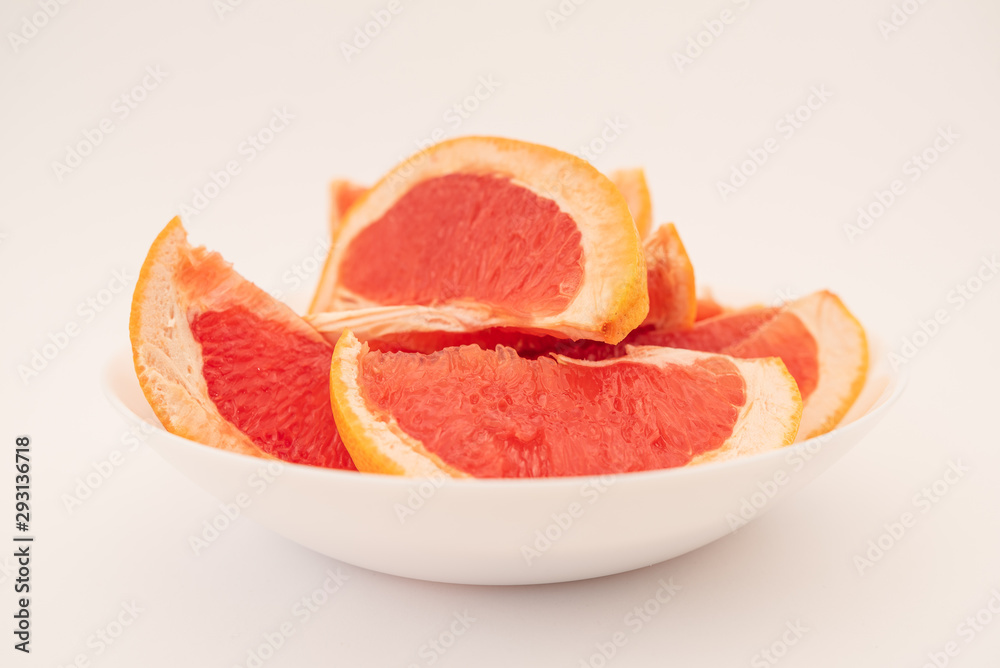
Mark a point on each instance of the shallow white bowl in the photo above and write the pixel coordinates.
(506, 531)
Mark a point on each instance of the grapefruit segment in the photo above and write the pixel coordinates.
(752, 332)
(633, 186)
(343, 195)
(223, 363)
(842, 359)
(672, 306)
(673, 303)
(465, 411)
(669, 275)
(821, 342)
(509, 233)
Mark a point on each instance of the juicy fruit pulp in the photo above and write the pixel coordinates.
(528, 253)
(494, 414)
(272, 384)
(669, 280)
(764, 332)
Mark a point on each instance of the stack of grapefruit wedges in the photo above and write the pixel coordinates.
(490, 308)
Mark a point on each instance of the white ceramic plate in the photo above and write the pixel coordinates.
(505, 531)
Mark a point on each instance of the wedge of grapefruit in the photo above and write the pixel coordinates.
(482, 232)
(673, 303)
(469, 412)
(821, 342)
(223, 363)
(632, 184)
(672, 306)
(669, 273)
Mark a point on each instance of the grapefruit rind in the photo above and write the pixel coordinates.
(633, 187)
(167, 358)
(843, 360)
(611, 300)
(768, 419)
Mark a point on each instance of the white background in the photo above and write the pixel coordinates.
(782, 233)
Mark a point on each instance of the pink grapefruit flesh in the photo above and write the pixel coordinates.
(416, 253)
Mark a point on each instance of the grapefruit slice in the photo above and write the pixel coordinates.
(490, 232)
(843, 360)
(632, 184)
(821, 342)
(223, 363)
(673, 303)
(669, 274)
(469, 412)
(672, 306)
